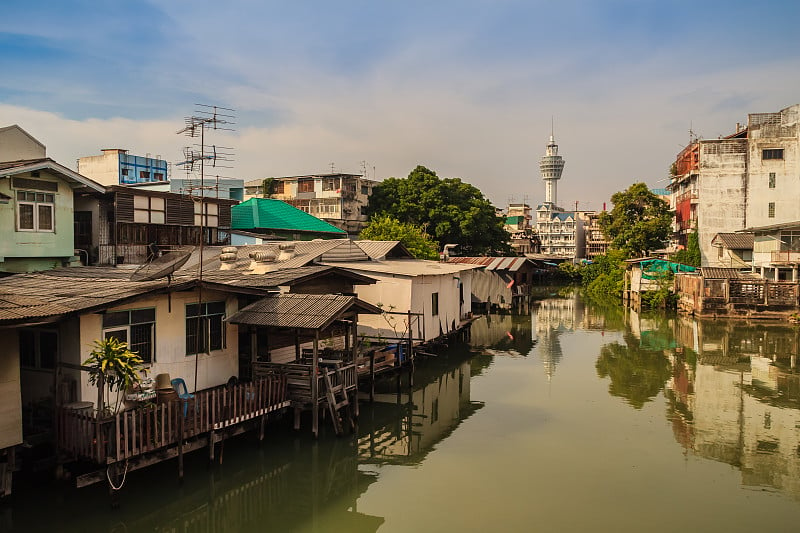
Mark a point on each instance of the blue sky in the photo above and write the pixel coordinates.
(466, 88)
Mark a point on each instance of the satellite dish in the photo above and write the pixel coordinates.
(163, 266)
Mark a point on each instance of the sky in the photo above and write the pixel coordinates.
(468, 88)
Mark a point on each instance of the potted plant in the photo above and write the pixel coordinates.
(112, 368)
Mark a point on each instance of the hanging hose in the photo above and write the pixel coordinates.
(124, 475)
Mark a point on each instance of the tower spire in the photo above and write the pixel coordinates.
(551, 165)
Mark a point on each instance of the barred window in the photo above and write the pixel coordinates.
(135, 327)
(772, 153)
(204, 327)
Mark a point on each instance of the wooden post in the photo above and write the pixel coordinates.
(180, 444)
(101, 384)
(315, 387)
(372, 376)
(410, 353)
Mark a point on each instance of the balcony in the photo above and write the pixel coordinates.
(784, 257)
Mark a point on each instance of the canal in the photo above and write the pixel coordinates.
(572, 417)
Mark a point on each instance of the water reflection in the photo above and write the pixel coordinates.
(402, 428)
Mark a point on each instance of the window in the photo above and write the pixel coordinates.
(204, 329)
(277, 187)
(35, 211)
(305, 185)
(365, 189)
(329, 184)
(144, 175)
(435, 303)
(772, 153)
(790, 240)
(147, 209)
(771, 180)
(771, 210)
(124, 171)
(38, 349)
(211, 219)
(135, 327)
(158, 176)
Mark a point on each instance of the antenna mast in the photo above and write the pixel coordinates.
(215, 118)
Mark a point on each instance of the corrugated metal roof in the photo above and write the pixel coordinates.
(305, 252)
(58, 292)
(383, 249)
(266, 213)
(512, 264)
(407, 267)
(724, 273)
(735, 241)
(346, 251)
(304, 311)
(53, 293)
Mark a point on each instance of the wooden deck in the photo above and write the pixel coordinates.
(156, 427)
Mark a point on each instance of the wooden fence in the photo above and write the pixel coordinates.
(151, 427)
(299, 378)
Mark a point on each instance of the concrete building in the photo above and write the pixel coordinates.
(518, 223)
(117, 167)
(749, 179)
(337, 198)
(596, 241)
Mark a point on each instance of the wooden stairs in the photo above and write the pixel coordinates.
(338, 403)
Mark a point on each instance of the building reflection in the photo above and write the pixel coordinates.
(401, 428)
(733, 394)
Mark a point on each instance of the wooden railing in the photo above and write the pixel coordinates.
(154, 426)
(299, 378)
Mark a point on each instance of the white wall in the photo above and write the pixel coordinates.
(170, 341)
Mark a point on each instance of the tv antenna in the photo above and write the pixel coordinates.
(205, 117)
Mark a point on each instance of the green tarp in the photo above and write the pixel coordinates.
(657, 268)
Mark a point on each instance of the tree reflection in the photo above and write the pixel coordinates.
(636, 374)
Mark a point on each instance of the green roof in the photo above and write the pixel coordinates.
(514, 220)
(266, 213)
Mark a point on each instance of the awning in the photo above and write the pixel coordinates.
(303, 311)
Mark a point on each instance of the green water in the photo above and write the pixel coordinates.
(569, 418)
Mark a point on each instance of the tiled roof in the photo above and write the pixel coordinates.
(266, 213)
(735, 241)
(305, 311)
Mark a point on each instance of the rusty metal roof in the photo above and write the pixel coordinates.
(512, 264)
(47, 296)
(304, 311)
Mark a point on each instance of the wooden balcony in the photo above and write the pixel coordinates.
(154, 427)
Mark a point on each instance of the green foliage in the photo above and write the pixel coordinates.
(268, 187)
(639, 222)
(571, 271)
(604, 277)
(663, 297)
(691, 255)
(118, 366)
(387, 228)
(449, 210)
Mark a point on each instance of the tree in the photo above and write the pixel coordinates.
(691, 255)
(113, 366)
(268, 187)
(639, 222)
(449, 210)
(387, 228)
